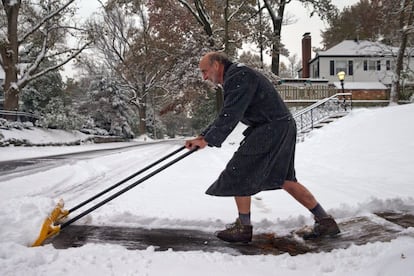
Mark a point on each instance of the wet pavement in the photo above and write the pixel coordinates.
(378, 227)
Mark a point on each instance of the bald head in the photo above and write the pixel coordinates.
(220, 57)
(212, 66)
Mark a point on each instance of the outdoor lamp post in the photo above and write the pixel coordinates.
(341, 77)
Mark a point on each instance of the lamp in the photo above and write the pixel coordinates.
(341, 77)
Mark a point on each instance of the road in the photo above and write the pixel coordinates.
(14, 168)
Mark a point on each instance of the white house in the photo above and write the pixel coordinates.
(361, 60)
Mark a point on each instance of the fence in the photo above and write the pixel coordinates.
(306, 93)
(18, 116)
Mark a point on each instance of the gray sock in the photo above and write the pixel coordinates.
(319, 212)
(244, 218)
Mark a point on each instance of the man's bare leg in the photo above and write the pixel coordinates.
(243, 231)
(295, 189)
(300, 193)
(325, 225)
(305, 197)
(243, 204)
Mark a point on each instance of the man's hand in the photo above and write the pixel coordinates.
(196, 142)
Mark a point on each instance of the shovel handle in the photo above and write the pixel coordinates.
(139, 181)
(125, 180)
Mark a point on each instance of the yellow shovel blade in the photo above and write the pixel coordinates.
(49, 226)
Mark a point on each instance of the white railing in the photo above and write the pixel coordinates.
(309, 117)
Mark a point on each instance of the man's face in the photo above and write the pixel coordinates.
(209, 71)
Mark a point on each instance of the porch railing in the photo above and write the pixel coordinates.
(336, 105)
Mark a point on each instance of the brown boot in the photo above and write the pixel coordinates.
(322, 228)
(236, 232)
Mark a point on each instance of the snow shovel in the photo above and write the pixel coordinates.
(52, 225)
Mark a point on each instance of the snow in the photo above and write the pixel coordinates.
(43, 136)
(359, 48)
(371, 85)
(355, 165)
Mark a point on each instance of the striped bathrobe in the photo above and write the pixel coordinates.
(265, 158)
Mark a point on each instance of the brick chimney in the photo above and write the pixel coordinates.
(306, 54)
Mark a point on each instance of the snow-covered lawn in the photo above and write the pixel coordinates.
(359, 164)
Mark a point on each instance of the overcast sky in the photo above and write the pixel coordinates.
(291, 34)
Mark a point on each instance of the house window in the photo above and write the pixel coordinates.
(388, 65)
(332, 67)
(372, 65)
(350, 67)
(336, 66)
(340, 65)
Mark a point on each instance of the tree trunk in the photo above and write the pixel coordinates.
(277, 28)
(275, 58)
(11, 91)
(261, 47)
(200, 14)
(9, 53)
(407, 8)
(226, 28)
(142, 111)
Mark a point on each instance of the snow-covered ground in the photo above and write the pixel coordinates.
(355, 165)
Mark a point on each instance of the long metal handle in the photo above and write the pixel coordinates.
(125, 180)
(63, 225)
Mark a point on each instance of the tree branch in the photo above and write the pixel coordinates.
(27, 78)
(43, 20)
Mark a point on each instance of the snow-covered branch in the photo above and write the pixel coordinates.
(27, 77)
(192, 11)
(43, 21)
(200, 14)
(236, 11)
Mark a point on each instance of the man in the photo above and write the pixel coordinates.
(265, 158)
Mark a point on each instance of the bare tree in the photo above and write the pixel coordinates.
(224, 23)
(365, 20)
(182, 85)
(276, 9)
(405, 13)
(200, 13)
(294, 65)
(33, 32)
(130, 53)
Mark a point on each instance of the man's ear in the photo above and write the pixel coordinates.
(216, 65)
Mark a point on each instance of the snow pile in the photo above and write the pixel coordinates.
(356, 165)
(40, 136)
